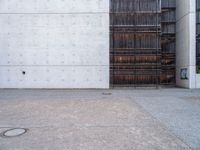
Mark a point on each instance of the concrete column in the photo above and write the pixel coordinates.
(186, 44)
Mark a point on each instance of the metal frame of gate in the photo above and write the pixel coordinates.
(168, 42)
(134, 65)
(198, 34)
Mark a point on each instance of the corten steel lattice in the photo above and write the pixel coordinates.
(198, 33)
(168, 45)
(135, 42)
(135, 39)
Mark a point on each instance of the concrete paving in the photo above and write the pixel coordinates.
(101, 119)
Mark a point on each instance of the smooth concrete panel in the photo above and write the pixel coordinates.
(53, 6)
(81, 39)
(54, 44)
(198, 81)
(192, 38)
(186, 45)
(184, 7)
(54, 77)
(182, 40)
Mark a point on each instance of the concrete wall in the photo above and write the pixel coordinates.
(186, 42)
(198, 81)
(54, 44)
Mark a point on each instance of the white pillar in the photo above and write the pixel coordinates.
(186, 43)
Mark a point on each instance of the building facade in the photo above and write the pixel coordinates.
(99, 43)
(54, 44)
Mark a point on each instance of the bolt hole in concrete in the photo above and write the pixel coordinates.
(23, 72)
(14, 132)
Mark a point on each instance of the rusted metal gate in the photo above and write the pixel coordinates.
(168, 42)
(135, 42)
(198, 34)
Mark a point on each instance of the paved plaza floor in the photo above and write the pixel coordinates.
(117, 119)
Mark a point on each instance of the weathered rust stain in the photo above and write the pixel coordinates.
(141, 49)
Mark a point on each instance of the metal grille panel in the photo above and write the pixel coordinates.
(198, 33)
(135, 42)
(142, 52)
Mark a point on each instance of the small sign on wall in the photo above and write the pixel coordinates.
(184, 74)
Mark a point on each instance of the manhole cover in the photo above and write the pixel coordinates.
(14, 132)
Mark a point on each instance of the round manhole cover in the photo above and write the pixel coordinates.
(14, 132)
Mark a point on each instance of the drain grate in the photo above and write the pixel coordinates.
(106, 93)
(14, 132)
